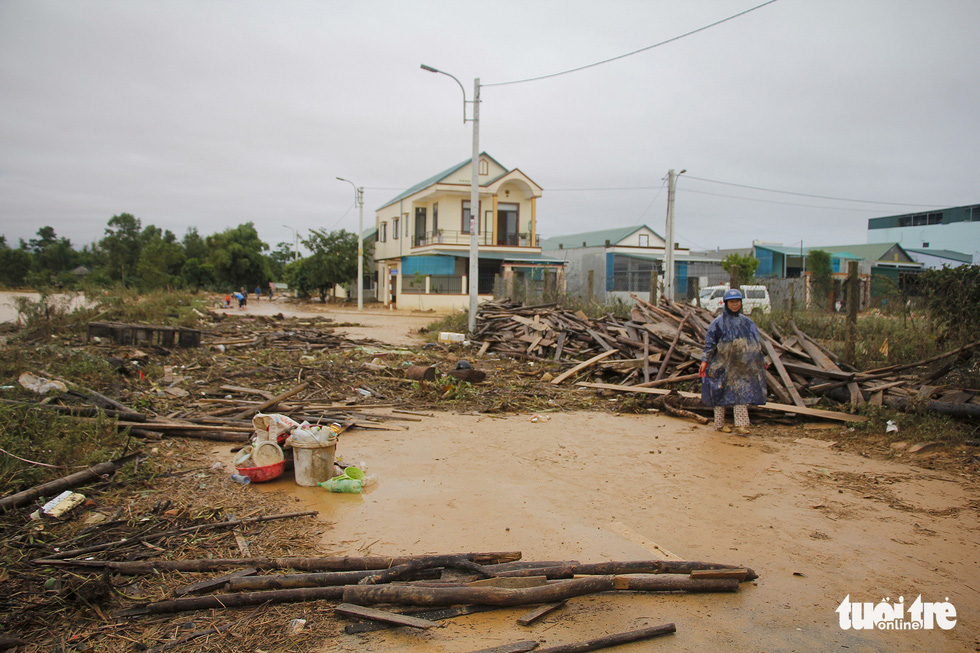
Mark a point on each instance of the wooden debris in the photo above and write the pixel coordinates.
(529, 618)
(388, 617)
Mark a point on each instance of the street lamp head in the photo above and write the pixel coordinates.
(682, 171)
(429, 68)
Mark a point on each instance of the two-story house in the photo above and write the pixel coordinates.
(423, 237)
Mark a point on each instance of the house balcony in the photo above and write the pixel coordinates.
(447, 237)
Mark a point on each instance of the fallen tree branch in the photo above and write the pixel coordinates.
(51, 488)
(558, 591)
(348, 563)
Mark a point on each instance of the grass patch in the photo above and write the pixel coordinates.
(914, 426)
(909, 339)
(43, 436)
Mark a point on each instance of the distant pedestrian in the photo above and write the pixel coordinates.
(244, 299)
(241, 299)
(258, 293)
(733, 369)
(271, 286)
(227, 301)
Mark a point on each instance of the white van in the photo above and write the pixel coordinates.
(754, 298)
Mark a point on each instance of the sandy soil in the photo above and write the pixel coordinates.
(816, 523)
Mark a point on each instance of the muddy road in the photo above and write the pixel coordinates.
(817, 523)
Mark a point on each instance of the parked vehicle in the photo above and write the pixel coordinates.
(756, 298)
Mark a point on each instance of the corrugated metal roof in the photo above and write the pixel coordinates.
(594, 238)
(943, 253)
(436, 179)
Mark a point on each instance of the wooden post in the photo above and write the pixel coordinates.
(653, 286)
(590, 293)
(693, 286)
(852, 311)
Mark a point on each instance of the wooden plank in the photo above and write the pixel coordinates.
(388, 617)
(249, 391)
(777, 388)
(785, 408)
(528, 618)
(581, 366)
(783, 374)
(720, 573)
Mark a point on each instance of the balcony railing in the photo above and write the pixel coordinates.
(447, 237)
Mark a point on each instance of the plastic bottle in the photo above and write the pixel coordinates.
(369, 480)
(239, 478)
(345, 485)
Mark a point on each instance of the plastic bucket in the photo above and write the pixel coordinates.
(313, 461)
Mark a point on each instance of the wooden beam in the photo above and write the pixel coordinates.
(374, 614)
(785, 408)
(581, 366)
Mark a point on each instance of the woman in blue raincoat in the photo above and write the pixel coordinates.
(733, 371)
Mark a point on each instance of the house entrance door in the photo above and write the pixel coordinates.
(507, 221)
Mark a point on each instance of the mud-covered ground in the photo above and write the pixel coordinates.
(819, 512)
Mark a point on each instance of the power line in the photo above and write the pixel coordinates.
(630, 54)
(753, 199)
(787, 192)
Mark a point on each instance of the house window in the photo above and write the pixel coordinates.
(394, 228)
(383, 236)
(465, 227)
(484, 167)
(644, 240)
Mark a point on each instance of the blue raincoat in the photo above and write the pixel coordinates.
(736, 365)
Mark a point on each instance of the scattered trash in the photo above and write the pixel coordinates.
(60, 505)
(40, 384)
(891, 427)
(296, 626)
(342, 484)
(451, 336)
(313, 453)
(241, 479)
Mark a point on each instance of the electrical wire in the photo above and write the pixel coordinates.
(821, 197)
(630, 54)
(753, 199)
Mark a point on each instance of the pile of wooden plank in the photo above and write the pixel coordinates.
(661, 345)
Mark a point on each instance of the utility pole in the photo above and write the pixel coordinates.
(669, 245)
(474, 209)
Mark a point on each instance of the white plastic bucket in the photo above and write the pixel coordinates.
(313, 461)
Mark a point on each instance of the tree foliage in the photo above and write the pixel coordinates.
(332, 262)
(122, 245)
(822, 274)
(739, 267)
(952, 296)
(236, 256)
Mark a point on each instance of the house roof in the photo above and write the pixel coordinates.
(595, 238)
(943, 253)
(865, 251)
(435, 179)
(795, 251)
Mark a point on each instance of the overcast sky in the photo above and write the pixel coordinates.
(211, 114)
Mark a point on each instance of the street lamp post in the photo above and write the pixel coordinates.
(295, 242)
(474, 274)
(669, 254)
(359, 200)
